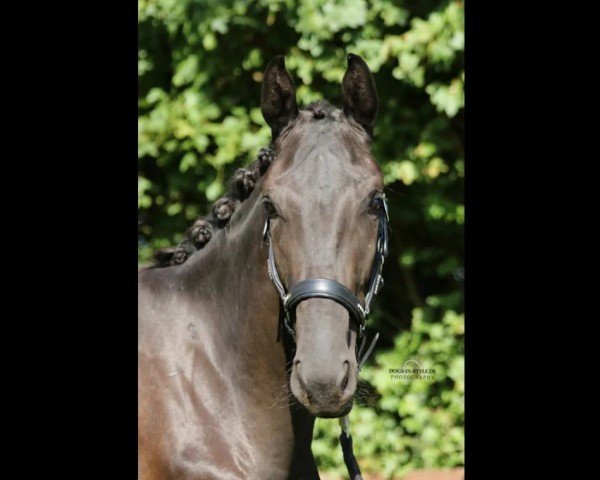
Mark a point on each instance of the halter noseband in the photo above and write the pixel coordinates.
(325, 288)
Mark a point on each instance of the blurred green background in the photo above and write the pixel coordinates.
(200, 65)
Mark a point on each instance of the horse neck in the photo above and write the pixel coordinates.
(229, 278)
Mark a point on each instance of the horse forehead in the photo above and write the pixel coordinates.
(320, 159)
(324, 166)
(319, 179)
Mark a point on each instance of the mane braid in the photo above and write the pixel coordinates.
(200, 233)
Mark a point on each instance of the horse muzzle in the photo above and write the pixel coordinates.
(325, 389)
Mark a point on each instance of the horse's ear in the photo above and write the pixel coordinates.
(278, 96)
(359, 93)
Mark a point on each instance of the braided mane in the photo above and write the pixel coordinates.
(199, 234)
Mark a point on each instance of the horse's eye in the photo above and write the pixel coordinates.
(376, 205)
(269, 207)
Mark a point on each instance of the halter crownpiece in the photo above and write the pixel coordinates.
(331, 289)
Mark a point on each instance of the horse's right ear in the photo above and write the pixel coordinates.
(359, 93)
(278, 96)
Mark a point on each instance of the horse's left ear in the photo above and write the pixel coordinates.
(359, 93)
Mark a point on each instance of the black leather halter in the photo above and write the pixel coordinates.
(325, 288)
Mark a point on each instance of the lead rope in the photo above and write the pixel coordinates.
(346, 443)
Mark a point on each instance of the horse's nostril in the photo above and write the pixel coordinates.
(346, 377)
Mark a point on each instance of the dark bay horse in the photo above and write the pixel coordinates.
(224, 391)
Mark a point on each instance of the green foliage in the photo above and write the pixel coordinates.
(200, 65)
